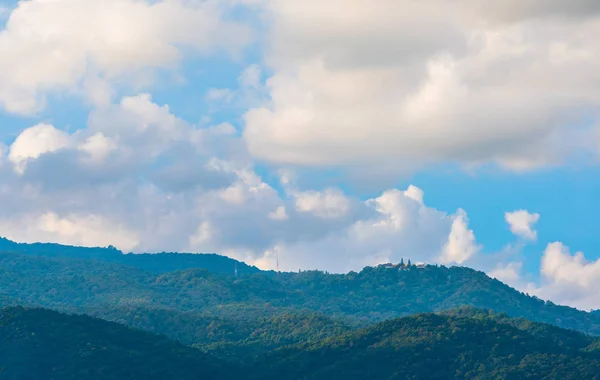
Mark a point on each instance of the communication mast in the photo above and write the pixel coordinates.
(277, 261)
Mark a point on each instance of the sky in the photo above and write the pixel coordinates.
(333, 134)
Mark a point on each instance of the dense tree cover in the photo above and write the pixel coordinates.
(429, 346)
(374, 294)
(237, 336)
(296, 325)
(466, 343)
(157, 263)
(42, 344)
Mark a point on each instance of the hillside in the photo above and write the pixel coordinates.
(42, 344)
(165, 302)
(156, 263)
(430, 346)
(465, 343)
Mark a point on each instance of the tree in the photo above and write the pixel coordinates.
(409, 264)
(402, 262)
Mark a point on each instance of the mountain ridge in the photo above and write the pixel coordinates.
(441, 346)
(372, 295)
(43, 344)
(160, 262)
(461, 343)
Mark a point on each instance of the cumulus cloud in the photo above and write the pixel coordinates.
(83, 45)
(35, 141)
(279, 214)
(105, 184)
(392, 226)
(98, 146)
(427, 82)
(75, 229)
(521, 223)
(414, 193)
(330, 203)
(388, 86)
(509, 273)
(569, 278)
(461, 244)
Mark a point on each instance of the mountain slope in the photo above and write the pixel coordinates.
(156, 263)
(42, 344)
(466, 343)
(375, 294)
(430, 346)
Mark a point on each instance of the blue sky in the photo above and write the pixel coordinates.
(337, 137)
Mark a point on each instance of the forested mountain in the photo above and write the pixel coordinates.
(374, 294)
(157, 263)
(475, 345)
(306, 325)
(42, 344)
(179, 304)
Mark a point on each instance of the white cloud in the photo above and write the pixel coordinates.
(279, 214)
(461, 244)
(74, 229)
(569, 279)
(35, 141)
(98, 146)
(249, 186)
(521, 223)
(509, 273)
(250, 92)
(330, 203)
(414, 193)
(426, 82)
(559, 266)
(123, 200)
(202, 236)
(394, 227)
(47, 48)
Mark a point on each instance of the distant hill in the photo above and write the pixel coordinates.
(165, 302)
(465, 344)
(155, 262)
(42, 344)
(430, 346)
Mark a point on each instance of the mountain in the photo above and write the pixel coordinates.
(234, 337)
(166, 302)
(436, 346)
(155, 262)
(464, 343)
(43, 344)
(308, 325)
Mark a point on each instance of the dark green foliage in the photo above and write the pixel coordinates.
(107, 289)
(239, 335)
(465, 343)
(430, 346)
(307, 325)
(42, 344)
(156, 263)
